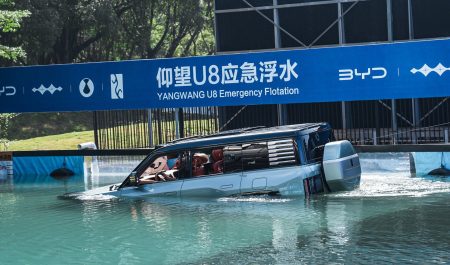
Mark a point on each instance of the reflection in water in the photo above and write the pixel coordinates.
(324, 229)
(6, 184)
(204, 235)
(200, 229)
(103, 170)
(284, 239)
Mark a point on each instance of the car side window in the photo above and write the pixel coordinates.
(164, 167)
(232, 158)
(255, 156)
(207, 161)
(159, 164)
(314, 144)
(260, 155)
(282, 153)
(246, 156)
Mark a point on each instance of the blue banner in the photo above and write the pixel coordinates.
(368, 72)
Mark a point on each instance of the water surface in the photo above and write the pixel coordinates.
(391, 218)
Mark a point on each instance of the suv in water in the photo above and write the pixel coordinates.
(287, 160)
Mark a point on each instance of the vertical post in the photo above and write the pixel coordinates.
(216, 34)
(282, 113)
(341, 24)
(377, 122)
(177, 125)
(181, 122)
(216, 115)
(415, 118)
(446, 135)
(394, 120)
(276, 28)
(281, 109)
(96, 129)
(341, 42)
(390, 39)
(159, 126)
(410, 21)
(150, 127)
(389, 20)
(374, 135)
(415, 105)
(343, 112)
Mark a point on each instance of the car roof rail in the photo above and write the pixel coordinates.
(222, 133)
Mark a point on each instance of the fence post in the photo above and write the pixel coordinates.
(394, 120)
(181, 122)
(344, 117)
(177, 125)
(446, 135)
(281, 109)
(96, 130)
(374, 135)
(416, 119)
(150, 128)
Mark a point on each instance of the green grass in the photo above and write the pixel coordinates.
(66, 141)
(69, 141)
(31, 125)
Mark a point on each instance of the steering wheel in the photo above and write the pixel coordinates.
(161, 176)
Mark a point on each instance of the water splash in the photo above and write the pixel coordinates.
(97, 197)
(387, 175)
(256, 199)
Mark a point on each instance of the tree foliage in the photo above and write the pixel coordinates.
(66, 31)
(10, 22)
(5, 119)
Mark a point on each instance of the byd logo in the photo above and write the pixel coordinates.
(373, 73)
(7, 91)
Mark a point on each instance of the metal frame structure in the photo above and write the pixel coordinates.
(406, 121)
(345, 106)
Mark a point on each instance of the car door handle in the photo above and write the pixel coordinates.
(224, 187)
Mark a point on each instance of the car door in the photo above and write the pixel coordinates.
(255, 161)
(212, 186)
(169, 188)
(152, 184)
(210, 183)
(270, 167)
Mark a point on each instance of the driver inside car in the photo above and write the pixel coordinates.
(159, 171)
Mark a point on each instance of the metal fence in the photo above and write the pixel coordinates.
(375, 122)
(405, 121)
(147, 128)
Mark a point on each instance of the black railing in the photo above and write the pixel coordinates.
(147, 128)
(375, 122)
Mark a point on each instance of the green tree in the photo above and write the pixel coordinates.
(66, 31)
(5, 119)
(10, 22)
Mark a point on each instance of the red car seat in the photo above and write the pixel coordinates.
(197, 165)
(217, 156)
